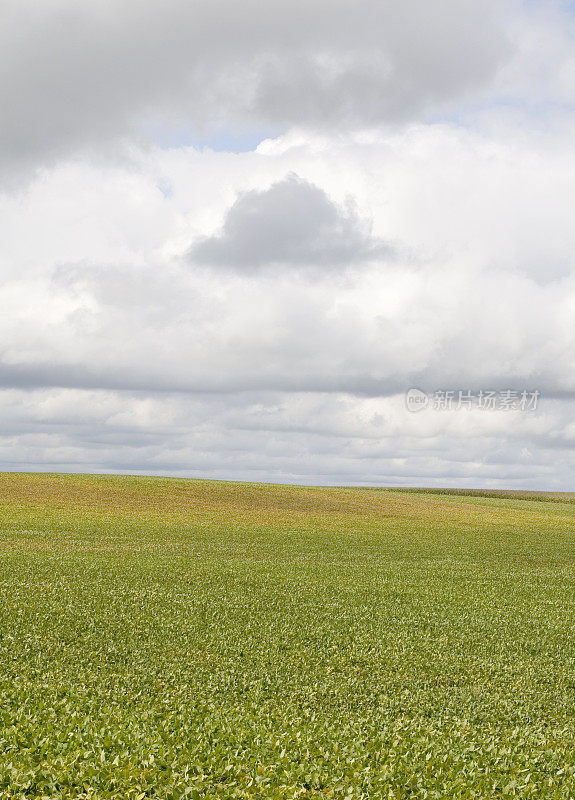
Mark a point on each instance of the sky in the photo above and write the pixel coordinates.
(236, 236)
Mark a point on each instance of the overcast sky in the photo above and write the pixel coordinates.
(233, 235)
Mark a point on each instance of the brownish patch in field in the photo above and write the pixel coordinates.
(188, 501)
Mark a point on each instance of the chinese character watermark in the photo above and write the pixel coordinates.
(485, 400)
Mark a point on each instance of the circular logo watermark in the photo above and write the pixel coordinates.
(416, 400)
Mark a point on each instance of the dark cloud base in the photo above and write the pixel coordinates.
(291, 224)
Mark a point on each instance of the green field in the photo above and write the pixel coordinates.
(168, 638)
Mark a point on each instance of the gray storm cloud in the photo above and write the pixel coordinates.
(77, 75)
(291, 223)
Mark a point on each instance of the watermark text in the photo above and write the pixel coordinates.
(484, 400)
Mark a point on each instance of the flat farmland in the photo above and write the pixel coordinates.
(164, 638)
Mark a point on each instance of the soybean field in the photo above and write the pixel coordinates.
(167, 638)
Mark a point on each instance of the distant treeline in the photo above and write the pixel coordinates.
(518, 494)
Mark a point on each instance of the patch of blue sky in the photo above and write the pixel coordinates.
(538, 112)
(221, 141)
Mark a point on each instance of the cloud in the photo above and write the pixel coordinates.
(115, 354)
(85, 75)
(540, 75)
(131, 315)
(313, 438)
(294, 223)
